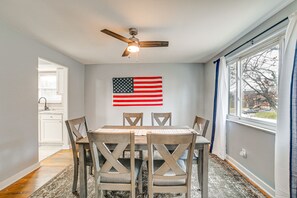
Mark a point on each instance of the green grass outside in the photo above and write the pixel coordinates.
(267, 115)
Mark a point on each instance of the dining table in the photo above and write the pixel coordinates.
(202, 145)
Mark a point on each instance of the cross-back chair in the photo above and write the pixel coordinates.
(138, 119)
(202, 125)
(129, 116)
(77, 129)
(171, 174)
(156, 117)
(116, 173)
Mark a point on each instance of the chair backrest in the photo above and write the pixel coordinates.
(202, 125)
(99, 142)
(77, 129)
(158, 116)
(171, 147)
(129, 116)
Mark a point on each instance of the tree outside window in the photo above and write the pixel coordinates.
(258, 85)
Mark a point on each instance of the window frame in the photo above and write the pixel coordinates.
(275, 39)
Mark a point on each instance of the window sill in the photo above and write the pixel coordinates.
(265, 129)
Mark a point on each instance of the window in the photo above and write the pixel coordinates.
(253, 84)
(48, 87)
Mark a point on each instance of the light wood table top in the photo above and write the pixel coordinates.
(141, 139)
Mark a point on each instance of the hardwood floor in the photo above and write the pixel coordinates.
(49, 168)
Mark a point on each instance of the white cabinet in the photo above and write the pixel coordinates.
(51, 128)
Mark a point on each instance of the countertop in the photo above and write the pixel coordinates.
(51, 111)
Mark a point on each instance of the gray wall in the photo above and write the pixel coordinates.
(182, 92)
(19, 94)
(259, 144)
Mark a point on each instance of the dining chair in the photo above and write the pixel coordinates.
(158, 118)
(77, 129)
(202, 125)
(115, 173)
(170, 174)
(138, 117)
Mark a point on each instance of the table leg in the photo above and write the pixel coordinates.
(199, 169)
(82, 172)
(203, 171)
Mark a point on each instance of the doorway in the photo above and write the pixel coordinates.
(52, 108)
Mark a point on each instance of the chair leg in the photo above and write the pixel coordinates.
(150, 193)
(133, 193)
(140, 180)
(75, 178)
(150, 189)
(96, 192)
(199, 175)
(188, 194)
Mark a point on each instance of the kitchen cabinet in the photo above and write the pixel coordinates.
(51, 129)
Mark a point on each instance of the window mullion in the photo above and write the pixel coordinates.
(238, 87)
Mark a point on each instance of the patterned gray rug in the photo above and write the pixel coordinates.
(224, 182)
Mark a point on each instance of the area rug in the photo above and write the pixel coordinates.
(224, 182)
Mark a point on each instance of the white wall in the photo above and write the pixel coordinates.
(182, 92)
(259, 144)
(18, 98)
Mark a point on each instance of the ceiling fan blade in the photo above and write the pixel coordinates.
(125, 53)
(153, 43)
(115, 35)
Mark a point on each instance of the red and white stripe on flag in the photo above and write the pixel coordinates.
(137, 91)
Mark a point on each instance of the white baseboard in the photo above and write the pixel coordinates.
(265, 187)
(19, 175)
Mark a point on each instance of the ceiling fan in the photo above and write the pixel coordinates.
(133, 43)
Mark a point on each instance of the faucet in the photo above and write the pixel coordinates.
(45, 107)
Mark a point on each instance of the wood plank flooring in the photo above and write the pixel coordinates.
(49, 168)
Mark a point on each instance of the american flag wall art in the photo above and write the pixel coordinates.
(137, 91)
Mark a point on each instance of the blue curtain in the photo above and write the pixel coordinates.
(214, 115)
(293, 130)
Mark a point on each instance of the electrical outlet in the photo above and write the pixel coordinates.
(243, 153)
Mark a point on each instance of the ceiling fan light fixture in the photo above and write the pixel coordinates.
(133, 43)
(133, 47)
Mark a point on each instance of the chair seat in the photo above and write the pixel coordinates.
(165, 182)
(126, 163)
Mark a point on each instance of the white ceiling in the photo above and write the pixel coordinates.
(196, 29)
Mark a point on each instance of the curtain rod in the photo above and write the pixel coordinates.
(255, 37)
